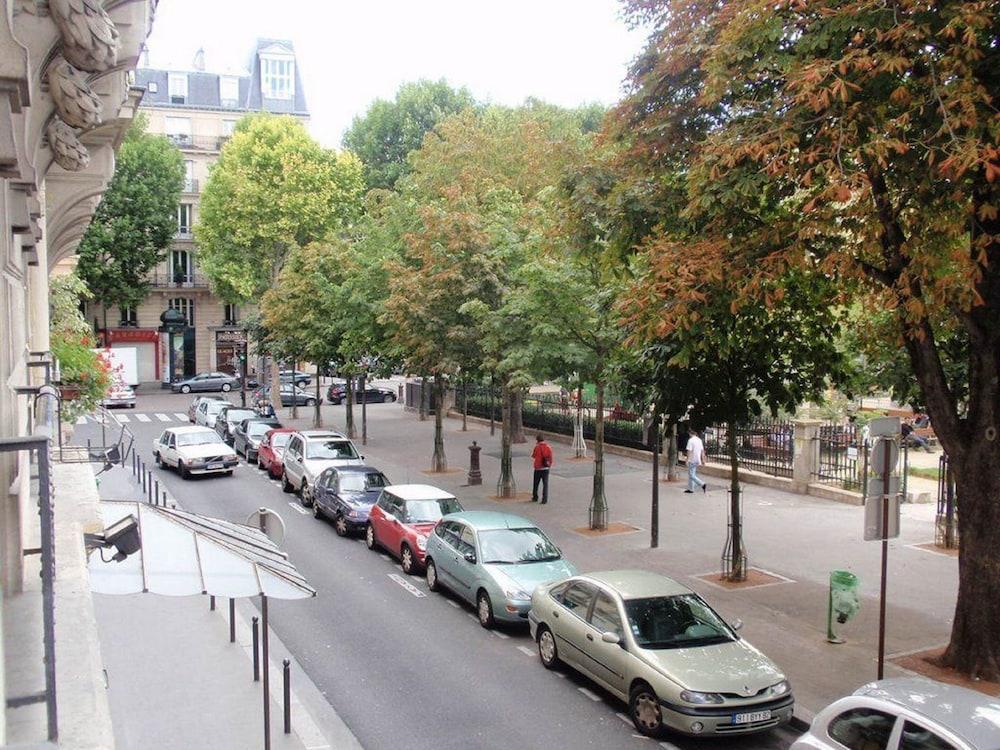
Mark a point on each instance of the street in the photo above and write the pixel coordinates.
(401, 665)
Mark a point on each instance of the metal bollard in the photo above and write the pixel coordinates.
(287, 685)
(211, 603)
(255, 628)
(232, 621)
(149, 487)
(142, 470)
(164, 498)
(156, 495)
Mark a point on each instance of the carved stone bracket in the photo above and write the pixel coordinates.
(75, 100)
(67, 150)
(90, 39)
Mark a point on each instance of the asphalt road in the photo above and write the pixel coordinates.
(402, 666)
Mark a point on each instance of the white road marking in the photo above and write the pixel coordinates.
(299, 508)
(589, 693)
(121, 418)
(501, 636)
(181, 417)
(669, 746)
(624, 718)
(469, 614)
(560, 675)
(162, 417)
(453, 603)
(81, 420)
(140, 417)
(526, 651)
(407, 585)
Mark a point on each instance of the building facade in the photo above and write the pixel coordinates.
(198, 111)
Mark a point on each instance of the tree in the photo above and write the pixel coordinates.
(135, 220)
(876, 122)
(384, 137)
(273, 189)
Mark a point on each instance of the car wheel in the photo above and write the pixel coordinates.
(260, 466)
(484, 610)
(388, 398)
(336, 401)
(370, 542)
(310, 402)
(406, 560)
(547, 650)
(185, 389)
(185, 474)
(317, 511)
(228, 473)
(157, 460)
(305, 494)
(644, 708)
(432, 576)
(340, 525)
(226, 388)
(286, 486)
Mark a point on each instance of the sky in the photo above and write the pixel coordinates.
(352, 52)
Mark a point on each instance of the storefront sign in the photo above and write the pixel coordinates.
(132, 335)
(230, 337)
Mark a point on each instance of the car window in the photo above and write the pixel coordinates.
(915, 737)
(199, 437)
(238, 415)
(605, 616)
(862, 729)
(280, 439)
(679, 621)
(257, 429)
(443, 530)
(430, 511)
(576, 598)
(525, 545)
(466, 540)
(214, 407)
(171, 440)
(332, 449)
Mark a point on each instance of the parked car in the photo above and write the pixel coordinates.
(295, 377)
(206, 381)
(659, 646)
(227, 420)
(193, 450)
(494, 561)
(308, 453)
(910, 713)
(337, 393)
(249, 433)
(271, 451)
(403, 518)
(346, 494)
(119, 394)
(289, 393)
(208, 411)
(193, 408)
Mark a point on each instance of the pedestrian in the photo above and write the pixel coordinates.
(542, 456)
(695, 451)
(909, 435)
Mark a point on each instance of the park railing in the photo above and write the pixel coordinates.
(764, 445)
(842, 456)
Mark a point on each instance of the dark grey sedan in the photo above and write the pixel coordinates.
(229, 418)
(346, 494)
(206, 381)
(249, 433)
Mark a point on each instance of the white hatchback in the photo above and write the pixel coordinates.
(308, 454)
(194, 450)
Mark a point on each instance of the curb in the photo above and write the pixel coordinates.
(799, 723)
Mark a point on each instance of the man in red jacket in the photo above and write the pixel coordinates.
(542, 455)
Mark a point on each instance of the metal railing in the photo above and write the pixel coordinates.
(198, 142)
(842, 456)
(764, 445)
(190, 186)
(164, 280)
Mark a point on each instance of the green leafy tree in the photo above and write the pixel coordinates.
(72, 343)
(384, 137)
(135, 220)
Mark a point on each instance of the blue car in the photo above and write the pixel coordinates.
(494, 561)
(346, 494)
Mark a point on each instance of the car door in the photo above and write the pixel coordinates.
(466, 571)
(169, 455)
(447, 552)
(293, 460)
(569, 623)
(322, 495)
(378, 517)
(608, 660)
(392, 529)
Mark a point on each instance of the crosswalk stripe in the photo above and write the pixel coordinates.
(163, 417)
(141, 418)
(181, 417)
(81, 420)
(121, 418)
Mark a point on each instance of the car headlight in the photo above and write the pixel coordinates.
(781, 688)
(517, 595)
(421, 542)
(692, 696)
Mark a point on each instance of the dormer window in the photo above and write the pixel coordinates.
(277, 77)
(229, 91)
(177, 83)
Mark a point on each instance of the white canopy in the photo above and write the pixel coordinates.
(183, 553)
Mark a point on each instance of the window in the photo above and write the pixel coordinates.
(128, 317)
(577, 598)
(862, 729)
(605, 616)
(228, 126)
(679, 621)
(231, 315)
(915, 737)
(180, 266)
(229, 91)
(525, 545)
(277, 76)
(179, 130)
(177, 84)
(184, 218)
(153, 87)
(185, 306)
(190, 186)
(466, 541)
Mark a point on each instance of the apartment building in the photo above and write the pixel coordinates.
(198, 111)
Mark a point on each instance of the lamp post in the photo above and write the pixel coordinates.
(173, 323)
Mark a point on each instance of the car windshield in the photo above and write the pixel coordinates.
(358, 482)
(258, 429)
(516, 546)
(679, 621)
(201, 437)
(281, 439)
(430, 511)
(214, 407)
(331, 449)
(238, 415)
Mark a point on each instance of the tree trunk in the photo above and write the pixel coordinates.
(317, 413)
(506, 486)
(493, 421)
(349, 408)
(738, 553)
(672, 451)
(655, 446)
(276, 386)
(295, 400)
(517, 416)
(364, 408)
(439, 462)
(422, 407)
(598, 501)
(465, 404)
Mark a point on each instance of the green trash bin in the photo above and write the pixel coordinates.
(843, 603)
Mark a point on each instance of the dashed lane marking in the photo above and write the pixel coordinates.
(453, 603)
(669, 746)
(121, 418)
(407, 585)
(624, 718)
(181, 417)
(140, 417)
(590, 694)
(297, 507)
(471, 616)
(162, 417)
(526, 651)
(500, 635)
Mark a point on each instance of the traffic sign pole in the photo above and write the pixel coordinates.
(885, 559)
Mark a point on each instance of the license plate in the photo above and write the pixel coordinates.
(215, 466)
(751, 717)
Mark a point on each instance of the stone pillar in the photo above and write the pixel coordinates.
(806, 452)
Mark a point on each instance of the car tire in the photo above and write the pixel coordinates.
(310, 402)
(484, 610)
(370, 542)
(286, 486)
(548, 652)
(228, 473)
(226, 388)
(260, 466)
(317, 511)
(432, 576)
(644, 710)
(305, 495)
(340, 525)
(185, 389)
(336, 401)
(185, 474)
(388, 398)
(407, 560)
(157, 460)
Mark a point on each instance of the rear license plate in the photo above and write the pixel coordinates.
(751, 717)
(215, 466)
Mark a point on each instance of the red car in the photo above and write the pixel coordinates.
(402, 519)
(270, 454)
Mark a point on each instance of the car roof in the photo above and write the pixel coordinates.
(321, 435)
(971, 715)
(354, 469)
(189, 428)
(638, 584)
(284, 429)
(488, 519)
(418, 492)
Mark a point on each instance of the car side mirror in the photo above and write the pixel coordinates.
(610, 637)
(737, 624)
(470, 557)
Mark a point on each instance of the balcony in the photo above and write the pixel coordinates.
(164, 280)
(184, 233)
(190, 186)
(197, 142)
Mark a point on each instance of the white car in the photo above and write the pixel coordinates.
(194, 450)
(207, 412)
(119, 394)
(906, 713)
(308, 454)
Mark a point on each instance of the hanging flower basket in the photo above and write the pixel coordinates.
(69, 392)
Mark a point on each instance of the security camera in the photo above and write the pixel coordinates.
(123, 535)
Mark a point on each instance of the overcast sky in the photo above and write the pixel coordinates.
(351, 52)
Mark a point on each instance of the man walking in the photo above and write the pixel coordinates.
(695, 450)
(542, 457)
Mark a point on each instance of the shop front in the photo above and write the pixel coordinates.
(145, 341)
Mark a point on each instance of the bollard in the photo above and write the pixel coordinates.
(475, 475)
(255, 627)
(149, 487)
(287, 685)
(156, 495)
(232, 621)
(142, 473)
(164, 498)
(211, 603)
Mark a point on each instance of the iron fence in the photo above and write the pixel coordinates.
(842, 456)
(764, 445)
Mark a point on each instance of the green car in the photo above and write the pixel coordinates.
(493, 560)
(658, 645)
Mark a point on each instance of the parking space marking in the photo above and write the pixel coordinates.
(140, 417)
(299, 508)
(589, 693)
(669, 746)
(181, 417)
(471, 616)
(81, 420)
(121, 418)
(453, 603)
(624, 718)
(501, 636)
(162, 417)
(407, 585)
(526, 651)
(560, 675)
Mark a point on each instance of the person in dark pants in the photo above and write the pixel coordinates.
(542, 456)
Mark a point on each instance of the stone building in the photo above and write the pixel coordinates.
(198, 111)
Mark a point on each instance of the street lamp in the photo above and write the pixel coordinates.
(173, 324)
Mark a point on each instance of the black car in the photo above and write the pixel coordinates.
(288, 394)
(249, 433)
(229, 417)
(346, 494)
(296, 377)
(337, 394)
